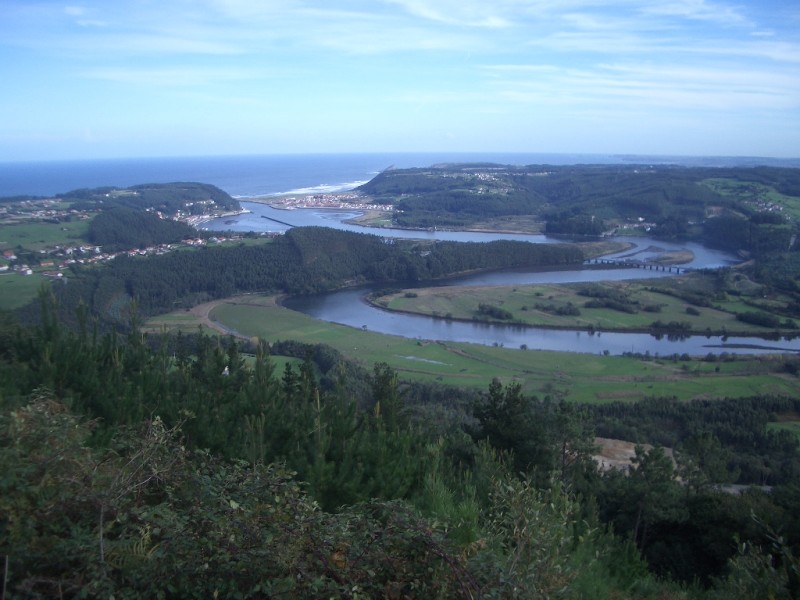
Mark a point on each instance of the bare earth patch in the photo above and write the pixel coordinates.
(200, 315)
(619, 454)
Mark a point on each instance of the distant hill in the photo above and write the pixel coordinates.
(168, 198)
(584, 199)
(123, 228)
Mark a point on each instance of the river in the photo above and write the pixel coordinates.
(348, 307)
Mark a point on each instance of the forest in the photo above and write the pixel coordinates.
(578, 199)
(189, 466)
(304, 260)
(118, 229)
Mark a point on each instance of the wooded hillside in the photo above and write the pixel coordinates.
(305, 260)
(566, 197)
(181, 467)
(169, 198)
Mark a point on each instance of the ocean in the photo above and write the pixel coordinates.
(250, 176)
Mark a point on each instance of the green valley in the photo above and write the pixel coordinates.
(167, 427)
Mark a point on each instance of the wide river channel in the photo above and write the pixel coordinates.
(348, 306)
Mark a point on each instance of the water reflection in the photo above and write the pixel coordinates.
(348, 307)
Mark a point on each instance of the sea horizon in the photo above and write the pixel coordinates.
(249, 176)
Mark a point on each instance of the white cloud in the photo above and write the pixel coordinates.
(700, 10)
(775, 51)
(172, 76)
(150, 43)
(82, 19)
(464, 13)
(501, 69)
(75, 11)
(641, 86)
(727, 60)
(247, 10)
(401, 39)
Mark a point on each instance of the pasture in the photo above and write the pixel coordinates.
(610, 305)
(40, 235)
(573, 376)
(18, 290)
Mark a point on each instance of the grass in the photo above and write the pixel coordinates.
(39, 235)
(541, 305)
(790, 423)
(577, 377)
(755, 193)
(18, 290)
(517, 223)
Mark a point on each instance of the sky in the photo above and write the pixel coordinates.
(148, 78)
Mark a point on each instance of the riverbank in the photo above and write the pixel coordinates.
(198, 221)
(673, 308)
(379, 216)
(334, 201)
(592, 378)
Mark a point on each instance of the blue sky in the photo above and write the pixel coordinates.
(106, 78)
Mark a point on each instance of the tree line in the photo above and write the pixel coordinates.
(304, 260)
(118, 229)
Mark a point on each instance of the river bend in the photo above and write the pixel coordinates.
(348, 307)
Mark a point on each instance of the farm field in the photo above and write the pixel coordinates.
(755, 193)
(17, 290)
(38, 235)
(575, 377)
(789, 421)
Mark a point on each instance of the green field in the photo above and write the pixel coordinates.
(39, 235)
(577, 377)
(546, 305)
(17, 290)
(755, 193)
(791, 425)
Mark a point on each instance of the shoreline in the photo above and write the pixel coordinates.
(776, 336)
(349, 200)
(334, 201)
(197, 220)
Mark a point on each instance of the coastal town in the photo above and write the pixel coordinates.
(33, 241)
(338, 200)
(22, 255)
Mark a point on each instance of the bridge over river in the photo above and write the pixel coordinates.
(638, 264)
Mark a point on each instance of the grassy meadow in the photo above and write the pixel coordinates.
(790, 423)
(39, 235)
(18, 290)
(576, 377)
(639, 305)
(755, 193)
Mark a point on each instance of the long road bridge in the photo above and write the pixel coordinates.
(637, 264)
(277, 221)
